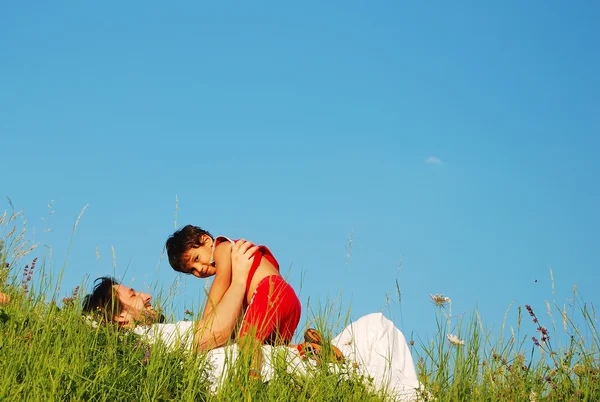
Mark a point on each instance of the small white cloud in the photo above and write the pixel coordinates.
(432, 160)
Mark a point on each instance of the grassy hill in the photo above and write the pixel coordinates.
(48, 352)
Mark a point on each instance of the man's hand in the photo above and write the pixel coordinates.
(241, 260)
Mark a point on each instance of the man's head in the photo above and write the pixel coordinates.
(190, 250)
(120, 304)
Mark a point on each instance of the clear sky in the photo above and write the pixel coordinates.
(455, 143)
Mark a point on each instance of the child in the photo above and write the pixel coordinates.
(270, 305)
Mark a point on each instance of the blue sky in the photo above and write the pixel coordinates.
(454, 143)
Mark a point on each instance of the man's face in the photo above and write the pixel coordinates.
(136, 307)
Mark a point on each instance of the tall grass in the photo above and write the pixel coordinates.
(49, 352)
(465, 362)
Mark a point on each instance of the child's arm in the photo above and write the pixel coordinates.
(222, 279)
(216, 328)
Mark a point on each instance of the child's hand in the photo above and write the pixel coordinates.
(241, 260)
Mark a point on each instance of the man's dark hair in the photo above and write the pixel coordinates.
(103, 300)
(181, 241)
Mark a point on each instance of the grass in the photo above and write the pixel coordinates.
(519, 368)
(48, 352)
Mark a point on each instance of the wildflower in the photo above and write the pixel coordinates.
(530, 310)
(146, 357)
(580, 370)
(455, 340)
(531, 313)
(27, 272)
(440, 300)
(542, 330)
(70, 301)
(91, 321)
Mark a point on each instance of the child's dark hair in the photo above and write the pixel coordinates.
(103, 299)
(181, 241)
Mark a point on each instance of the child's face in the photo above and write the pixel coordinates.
(198, 259)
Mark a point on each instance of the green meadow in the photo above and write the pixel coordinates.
(49, 352)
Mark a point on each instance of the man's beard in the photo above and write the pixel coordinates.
(150, 316)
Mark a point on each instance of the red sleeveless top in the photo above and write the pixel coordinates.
(262, 251)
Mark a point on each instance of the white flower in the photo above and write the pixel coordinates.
(89, 320)
(455, 340)
(440, 300)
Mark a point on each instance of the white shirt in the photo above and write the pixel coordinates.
(378, 349)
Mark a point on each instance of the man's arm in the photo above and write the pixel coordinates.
(215, 329)
(222, 279)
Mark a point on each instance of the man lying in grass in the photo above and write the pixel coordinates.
(372, 346)
(217, 326)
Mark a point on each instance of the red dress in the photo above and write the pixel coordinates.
(274, 310)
